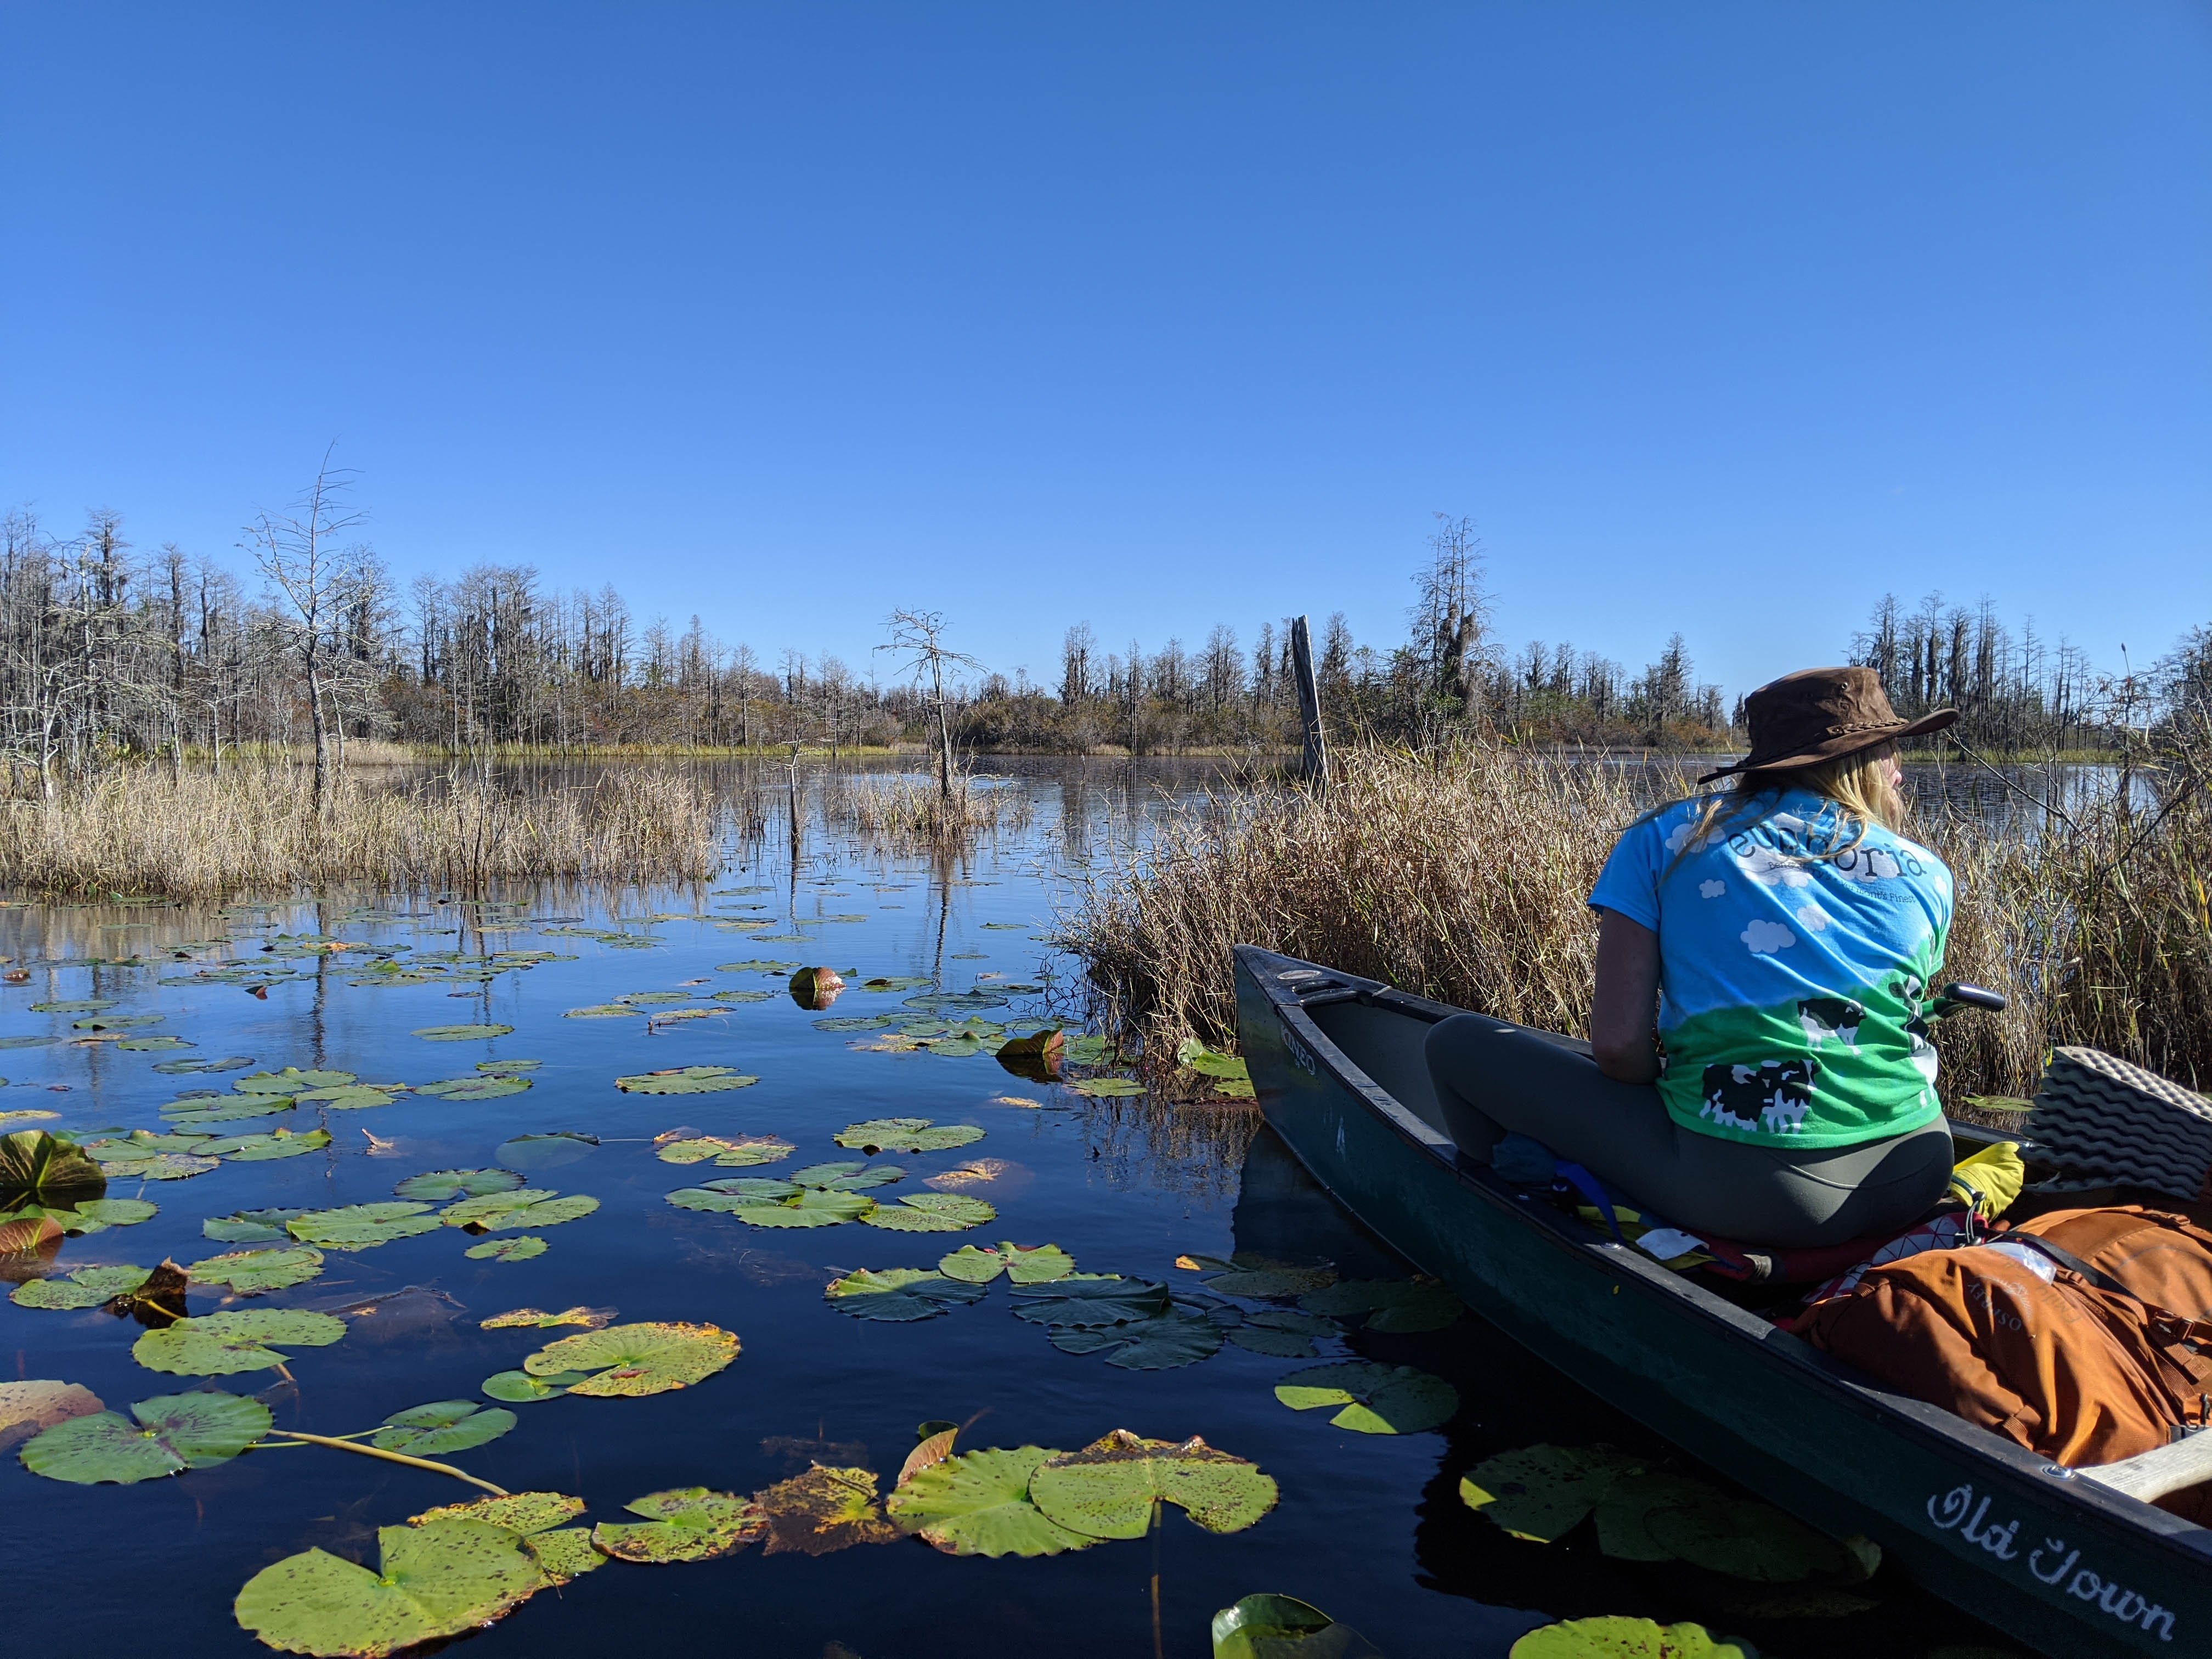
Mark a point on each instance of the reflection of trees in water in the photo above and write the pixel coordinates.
(1142, 1142)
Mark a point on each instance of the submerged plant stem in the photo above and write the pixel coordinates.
(392, 1457)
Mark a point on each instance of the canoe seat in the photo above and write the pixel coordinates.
(2186, 1462)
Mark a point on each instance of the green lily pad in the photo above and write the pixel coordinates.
(685, 1080)
(627, 1360)
(1423, 1305)
(291, 1080)
(442, 1427)
(520, 1387)
(31, 1114)
(116, 1021)
(350, 1097)
(525, 1206)
(906, 1135)
(821, 1511)
(460, 1033)
(744, 1151)
(979, 1264)
(893, 982)
(438, 1579)
(507, 1249)
(88, 1287)
(1078, 1301)
(931, 1213)
(1107, 1088)
(1108, 1489)
(259, 1149)
(521, 1513)
(252, 1227)
(899, 1294)
(223, 1063)
(362, 1226)
(546, 1151)
(440, 1186)
(1280, 1333)
(509, 1068)
(810, 1207)
(28, 1041)
(217, 1344)
(745, 996)
(196, 1109)
(949, 1002)
(157, 1166)
(1375, 1399)
(37, 1166)
(1283, 1627)
(690, 1523)
(851, 1177)
(490, 1086)
(1262, 1277)
(81, 1005)
(1543, 1492)
(761, 966)
(1617, 1637)
(152, 1044)
(1181, 1336)
(536, 1319)
(653, 999)
(1656, 1516)
(978, 1503)
(173, 1433)
(255, 1272)
(603, 1011)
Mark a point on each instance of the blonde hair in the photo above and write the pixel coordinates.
(1858, 782)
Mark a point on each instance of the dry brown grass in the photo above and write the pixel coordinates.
(1462, 876)
(202, 835)
(903, 811)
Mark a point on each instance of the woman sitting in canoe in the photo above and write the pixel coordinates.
(1759, 1068)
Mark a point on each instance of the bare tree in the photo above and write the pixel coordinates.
(918, 639)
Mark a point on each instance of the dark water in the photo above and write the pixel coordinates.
(1368, 1527)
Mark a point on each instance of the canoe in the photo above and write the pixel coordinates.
(2064, 1561)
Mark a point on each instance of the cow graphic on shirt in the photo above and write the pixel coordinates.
(1774, 1095)
(1824, 1018)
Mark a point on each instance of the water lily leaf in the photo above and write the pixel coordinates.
(93, 1215)
(30, 1115)
(546, 1151)
(88, 1287)
(520, 1513)
(173, 1433)
(603, 1011)
(1195, 1056)
(1261, 1276)
(1422, 1304)
(223, 1063)
(1280, 1333)
(195, 1110)
(741, 1153)
(27, 1407)
(690, 1523)
(216, 1345)
(944, 1002)
(288, 1081)
(810, 1207)
(745, 996)
(1616, 1637)
(28, 1041)
(152, 1044)
(1283, 1627)
(823, 1510)
(931, 1213)
(901, 1294)
(978, 1503)
(650, 999)
(1543, 1492)
(893, 982)
(1078, 1300)
(361, 1226)
(520, 1387)
(489, 1086)
(81, 1005)
(438, 1579)
(1375, 1399)
(1107, 1489)
(444, 1426)
(685, 1080)
(460, 1033)
(255, 1272)
(115, 1022)
(252, 1227)
(637, 1359)
(438, 1185)
(906, 1135)
(1107, 1088)
(844, 1177)
(1179, 1337)
(509, 1068)
(1655, 1516)
(48, 1170)
(157, 1166)
(591, 1319)
(976, 1172)
(259, 1149)
(525, 1206)
(507, 1249)
(1038, 1264)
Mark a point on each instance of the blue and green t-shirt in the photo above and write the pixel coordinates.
(1791, 974)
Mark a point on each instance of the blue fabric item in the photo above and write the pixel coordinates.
(1524, 1161)
(1593, 1189)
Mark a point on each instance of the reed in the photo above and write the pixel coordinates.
(903, 810)
(201, 835)
(1462, 876)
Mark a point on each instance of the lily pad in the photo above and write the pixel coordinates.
(255, 1272)
(525, 1206)
(685, 1080)
(906, 1135)
(636, 1359)
(823, 1510)
(1617, 1637)
(520, 1387)
(546, 1151)
(1375, 1399)
(47, 1170)
(978, 1503)
(27, 1407)
(442, 1427)
(1421, 1304)
(173, 1433)
(88, 1287)
(900, 1294)
(217, 1344)
(931, 1213)
(362, 1226)
(116, 1021)
(1283, 1627)
(1543, 1492)
(81, 1005)
(849, 1177)
(1181, 1336)
(1656, 1516)
(1107, 1088)
(223, 1063)
(440, 1185)
(591, 1319)
(507, 1249)
(1280, 1333)
(1262, 1277)
(1108, 1489)
(260, 1149)
(490, 1086)
(810, 1207)
(745, 1151)
(252, 1227)
(460, 1033)
(979, 1264)
(604, 1010)
(438, 1579)
(29, 1116)
(690, 1523)
(152, 1044)
(521, 1513)
(196, 1109)
(1082, 1301)
(290, 1080)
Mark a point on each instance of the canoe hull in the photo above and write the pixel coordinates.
(2022, 1544)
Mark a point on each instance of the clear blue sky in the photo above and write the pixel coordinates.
(1717, 317)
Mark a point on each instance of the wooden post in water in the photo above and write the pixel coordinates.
(1315, 760)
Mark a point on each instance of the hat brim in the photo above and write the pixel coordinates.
(1836, 748)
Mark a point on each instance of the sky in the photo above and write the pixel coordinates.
(1721, 318)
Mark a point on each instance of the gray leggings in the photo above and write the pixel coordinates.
(1492, 1077)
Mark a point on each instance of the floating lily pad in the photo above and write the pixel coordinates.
(604, 1010)
(217, 1344)
(745, 996)
(509, 1068)
(810, 1207)
(173, 1433)
(27, 1407)
(255, 1272)
(945, 1002)
(507, 1249)
(1105, 1088)
(525, 1206)
(438, 1579)
(93, 1215)
(636, 1359)
(899, 1294)
(743, 1153)
(1283, 1627)
(1080, 1301)
(28, 1041)
(1375, 1399)
(116, 1021)
(81, 1005)
(1617, 1637)
(823, 1510)
(157, 1166)
(362, 1226)
(440, 1186)
(1543, 1492)
(685, 1080)
(484, 1087)
(259, 1149)
(1655, 1516)
(979, 1264)
(47, 1170)
(290, 1080)
(193, 1110)
(690, 1523)
(1181, 1336)
(591, 1319)
(931, 1213)
(224, 1063)
(546, 1151)
(252, 1227)
(1262, 1277)
(1421, 1304)
(846, 1177)
(978, 1503)
(906, 1135)
(521, 1513)
(1108, 1489)
(1280, 1333)
(460, 1033)
(88, 1287)
(146, 1045)
(520, 1387)
(30, 1115)
(442, 1427)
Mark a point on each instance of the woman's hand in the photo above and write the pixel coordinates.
(1625, 1016)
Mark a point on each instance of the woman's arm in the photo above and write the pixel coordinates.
(1625, 1016)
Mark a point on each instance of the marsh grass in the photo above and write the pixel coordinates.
(202, 835)
(904, 812)
(1462, 876)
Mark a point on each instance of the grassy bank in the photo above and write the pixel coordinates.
(202, 835)
(1462, 876)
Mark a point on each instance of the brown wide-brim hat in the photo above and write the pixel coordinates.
(1819, 714)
